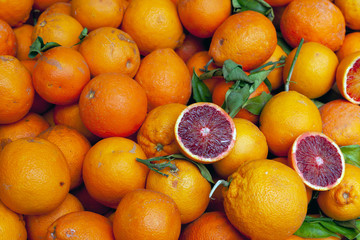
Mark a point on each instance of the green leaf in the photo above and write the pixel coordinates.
(38, 47)
(82, 36)
(351, 154)
(258, 78)
(283, 44)
(204, 171)
(234, 72)
(235, 99)
(49, 45)
(256, 104)
(201, 92)
(349, 231)
(313, 230)
(210, 74)
(255, 5)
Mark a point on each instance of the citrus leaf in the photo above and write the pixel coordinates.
(204, 171)
(201, 92)
(268, 84)
(351, 154)
(234, 72)
(235, 99)
(38, 47)
(313, 230)
(283, 44)
(82, 36)
(211, 73)
(350, 231)
(254, 5)
(256, 104)
(258, 78)
(49, 45)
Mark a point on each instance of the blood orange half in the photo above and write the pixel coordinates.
(348, 77)
(205, 132)
(318, 160)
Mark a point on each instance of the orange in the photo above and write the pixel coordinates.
(69, 115)
(156, 135)
(249, 200)
(284, 117)
(94, 14)
(16, 92)
(37, 225)
(109, 49)
(314, 71)
(165, 78)
(113, 104)
(8, 45)
(315, 21)
(189, 189)
(190, 46)
(29, 126)
(34, 177)
(29, 65)
(278, 3)
(250, 144)
(88, 202)
(276, 75)
(60, 75)
(44, 4)
(351, 10)
(12, 225)
(341, 121)
(202, 17)
(351, 44)
(211, 225)
(23, 40)
(153, 24)
(58, 7)
(248, 38)
(105, 162)
(73, 145)
(81, 225)
(60, 28)
(15, 12)
(342, 202)
(49, 117)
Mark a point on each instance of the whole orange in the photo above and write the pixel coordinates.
(15, 12)
(351, 44)
(12, 225)
(23, 40)
(190, 46)
(58, 7)
(44, 4)
(8, 45)
(351, 10)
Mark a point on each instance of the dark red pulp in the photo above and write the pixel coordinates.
(353, 81)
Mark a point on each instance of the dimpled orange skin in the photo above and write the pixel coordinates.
(15, 12)
(12, 225)
(8, 45)
(58, 7)
(23, 39)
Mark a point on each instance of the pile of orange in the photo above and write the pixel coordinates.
(90, 96)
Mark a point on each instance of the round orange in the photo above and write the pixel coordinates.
(351, 10)
(12, 225)
(44, 4)
(8, 44)
(58, 7)
(190, 46)
(23, 40)
(15, 12)
(351, 44)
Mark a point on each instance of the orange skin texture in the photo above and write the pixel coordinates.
(23, 40)
(44, 4)
(107, 105)
(276, 75)
(189, 189)
(12, 225)
(140, 209)
(165, 78)
(16, 92)
(351, 44)
(211, 225)
(82, 225)
(315, 21)
(351, 10)
(341, 122)
(58, 7)
(38, 173)
(15, 12)
(108, 49)
(189, 47)
(29, 126)
(202, 17)
(248, 38)
(60, 74)
(37, 225)
(8, 45)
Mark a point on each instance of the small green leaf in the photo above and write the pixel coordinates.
(211, 73)
(256, 104)
(258, 78)
(313, 230)
(38, 47)
(82, 36)
(235, 99)
(293, 64)
(204, 171)
(351, 154)
(49, 45)
(268, 84)
(234, 72)
(349, 231)
(201, 92)
(255, 5)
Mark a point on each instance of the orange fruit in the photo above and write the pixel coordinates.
(284, 117)
(73, 145)
(98, 13)
(165, 78)
(16, 92)
(350, 9)
(315, 21)
(12, 225)
(314, 71)
(250, 144)
(276, 75)
(29, 65)
(189, 47)
(15, 12)
(49, 117)
(351, 44)
(58, 7)
(23, 40)
(29, 126)
(81, 225)
(342, 202)
(294, 237)
(109, 49)
(251, 189)
(189, 189)
(153, 24)
(202, 17)
(105, 162)
(36, 170)
(37, 225)
(8, 45)
(60, 75)
(156, 135)
(348, 77)
(248, 38)
(60, 28)
(278, 3)
(139, 210)
(341, 121)
(118, 99)
(88, 202)
(44, 4)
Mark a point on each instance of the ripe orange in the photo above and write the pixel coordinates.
(23, 40)
(156, 135)
(60, 75)
(88, 202)
(202, 17)
(248, 38)
(15, 12)
(276, 75)
(113, 104)
(315, 21)
(146, 214)
(351, 44)
(37, 225)
(12, 225)
(44, 4)
(189, 189)
(29, 65)
(105, 162)
(190, 46)
(350, 9)
(34, 177)
(8, 45)
(165, 78)
(153, 24)
(16, 92)
(58, 7)
(109, 49)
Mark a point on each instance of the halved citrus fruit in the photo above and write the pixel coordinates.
(318, 160)
(205, 132)
(348, 77)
